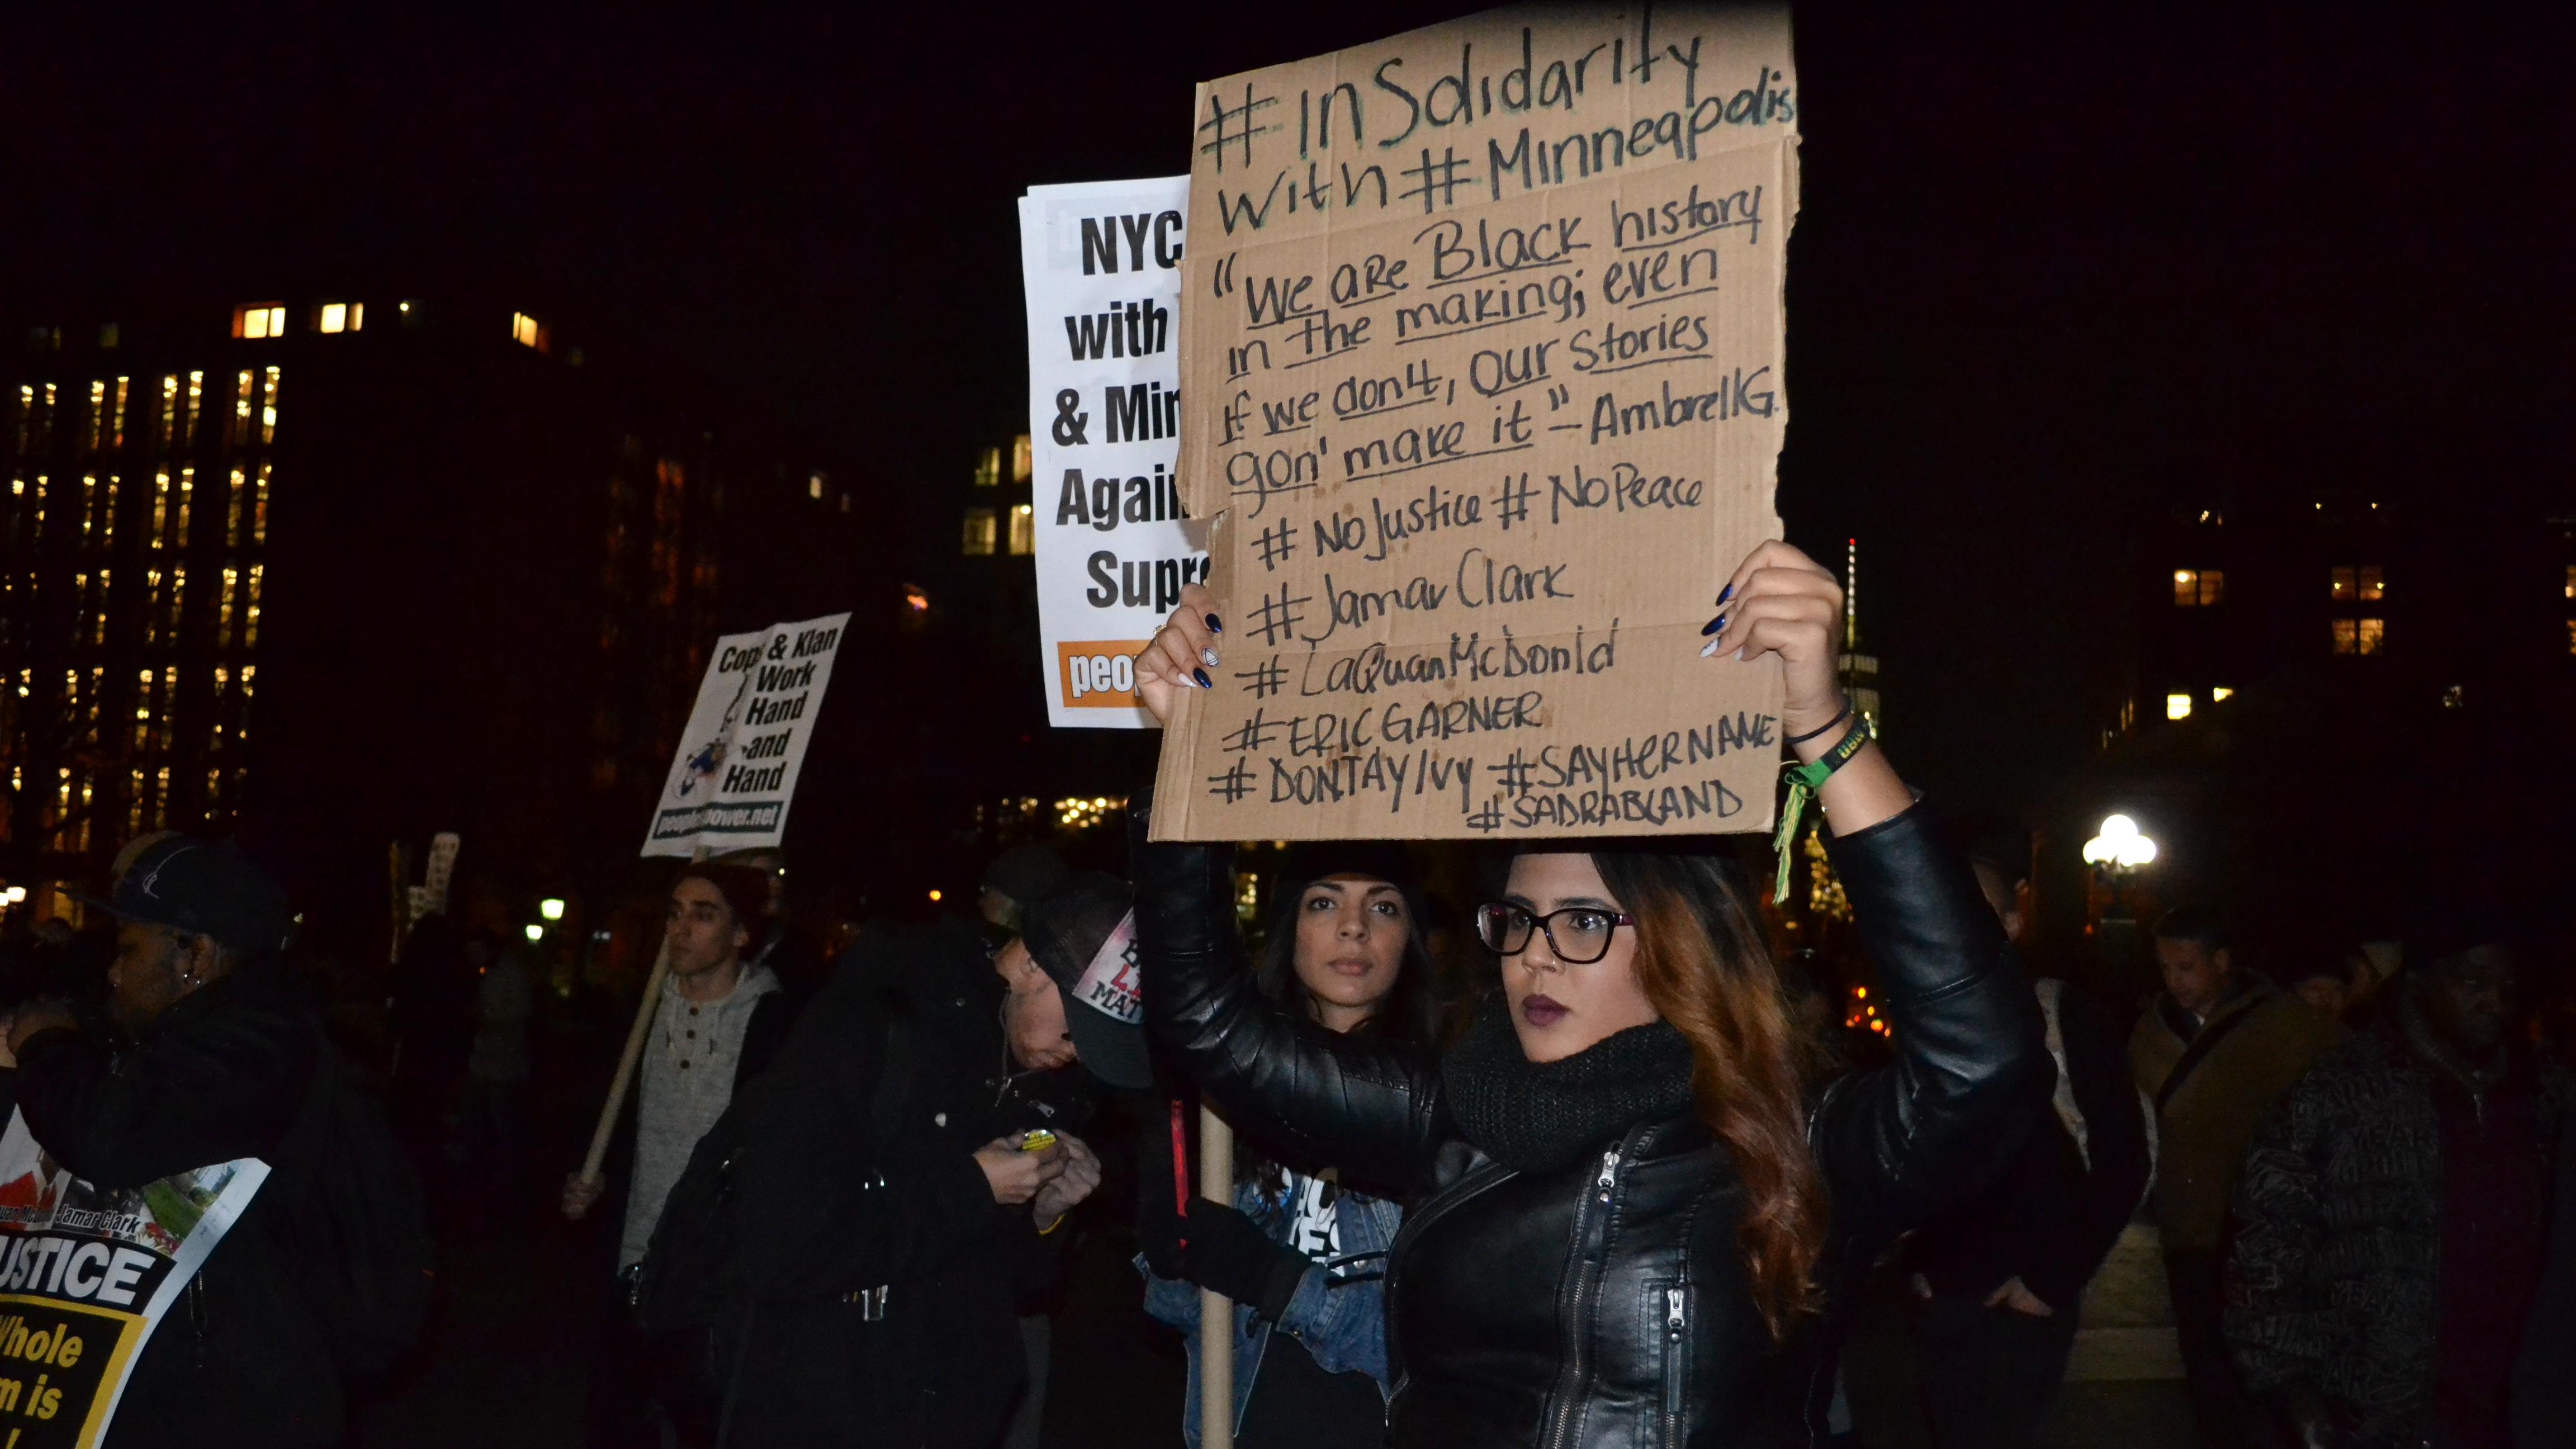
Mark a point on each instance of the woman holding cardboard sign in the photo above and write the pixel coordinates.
(1636, 1219)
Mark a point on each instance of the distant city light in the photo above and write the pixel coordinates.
(17, 894)
(536, 932)
(2177, 706)
(2218, 692)
(934, 897)
(552, 908)
(523, 328)
(915, 599)
(1078, 813)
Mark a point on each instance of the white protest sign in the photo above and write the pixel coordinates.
(745, 743)
(1102, 267)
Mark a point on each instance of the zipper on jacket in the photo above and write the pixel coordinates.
(1590, 1218)
(1676, 1320)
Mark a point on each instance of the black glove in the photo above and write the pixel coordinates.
(1228, 1252)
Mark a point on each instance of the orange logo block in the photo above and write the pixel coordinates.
(1098, 673)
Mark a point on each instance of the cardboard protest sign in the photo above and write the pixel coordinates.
(1481, 359)
(86, 1275)
(745, 743)
(1102, 267)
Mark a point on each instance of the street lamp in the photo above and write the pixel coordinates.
(2119, 845)
(536, 933)
(551, 908)
(2116, 850)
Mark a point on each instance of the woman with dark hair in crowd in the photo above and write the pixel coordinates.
(1639, 1212)
(1302, 1253)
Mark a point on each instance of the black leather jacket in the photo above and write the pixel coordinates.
(1606, 1304)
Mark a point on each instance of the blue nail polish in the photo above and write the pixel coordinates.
(1201, 676)
(1726, 593)
(1713, 625)
(1214, 625)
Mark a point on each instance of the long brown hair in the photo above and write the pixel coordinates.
(1703, 964)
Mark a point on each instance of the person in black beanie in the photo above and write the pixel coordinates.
(894, 1199)
(1302, 1253)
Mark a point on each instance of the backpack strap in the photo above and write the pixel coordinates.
(2201, 1046)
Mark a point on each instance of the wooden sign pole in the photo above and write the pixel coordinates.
(626, 1060)
(1216, 1311)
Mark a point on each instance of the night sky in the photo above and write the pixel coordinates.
(2053, 273)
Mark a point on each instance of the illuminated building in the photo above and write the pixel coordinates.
(339, 570)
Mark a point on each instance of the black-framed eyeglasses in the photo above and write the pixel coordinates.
(1578, 935)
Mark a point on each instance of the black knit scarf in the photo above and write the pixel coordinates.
(1539, 1116)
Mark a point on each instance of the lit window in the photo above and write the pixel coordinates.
(341, 317)
(2360, 636)
(1022, 462)
(2571, 636)
(979, 532)
(260, 319)
(525, 331)
(116, 412)
(1024, 530)
(988, 468)
(268, 408)
(97, 415)
(2198, 588)
(2361, 582)
(2571, 581)
(2451, 697)
(2219, 693)
(814, 485)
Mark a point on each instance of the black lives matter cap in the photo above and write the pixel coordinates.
(205, 888)
(1082, 934)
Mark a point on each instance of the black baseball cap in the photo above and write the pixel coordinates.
(1082, 934)
(205, 888)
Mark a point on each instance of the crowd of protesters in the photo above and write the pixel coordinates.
(1622, 1178)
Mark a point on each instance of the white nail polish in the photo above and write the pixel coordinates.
(1208, 658)
(1708, 649)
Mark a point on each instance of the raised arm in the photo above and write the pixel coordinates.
(1369, 1107)
(1971, 1070)
(1970, 1075)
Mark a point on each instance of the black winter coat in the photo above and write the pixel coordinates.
(225, 1073)
(884, 1277)
(1607, 1304)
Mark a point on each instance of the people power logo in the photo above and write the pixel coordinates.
(1098, 673)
